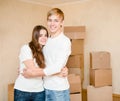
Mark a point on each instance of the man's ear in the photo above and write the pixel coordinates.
(62, 23)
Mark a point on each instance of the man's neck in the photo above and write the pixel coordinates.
(52, 35)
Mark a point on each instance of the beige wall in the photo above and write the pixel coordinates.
(102, 21)
(17, 20)
(101, 18)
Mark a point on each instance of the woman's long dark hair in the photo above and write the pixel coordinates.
(35, 46)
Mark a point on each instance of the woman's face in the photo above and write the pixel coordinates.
(43, 37)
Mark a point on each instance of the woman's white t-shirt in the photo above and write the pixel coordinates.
(28, 84)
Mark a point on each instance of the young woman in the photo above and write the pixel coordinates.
(31, 56)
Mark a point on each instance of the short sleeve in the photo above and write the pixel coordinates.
(25, 53)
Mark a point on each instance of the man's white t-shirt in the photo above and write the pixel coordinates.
(56, 53)
(28, 84)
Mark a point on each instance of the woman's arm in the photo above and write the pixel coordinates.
(29, 63)
(31, 70)
(26, 58)
(37, 72)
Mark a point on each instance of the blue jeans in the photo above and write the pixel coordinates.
(53, 95)
(28, 96)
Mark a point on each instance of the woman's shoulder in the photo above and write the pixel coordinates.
(25, 47)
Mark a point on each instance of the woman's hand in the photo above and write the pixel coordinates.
(27, 73)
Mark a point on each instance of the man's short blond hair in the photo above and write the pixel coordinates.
(55, 11)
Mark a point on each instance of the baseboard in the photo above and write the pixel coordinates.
(116, 97)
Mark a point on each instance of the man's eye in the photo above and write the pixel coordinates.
(56, 21)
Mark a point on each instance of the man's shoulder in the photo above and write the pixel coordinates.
(65, 40)
(65, 37)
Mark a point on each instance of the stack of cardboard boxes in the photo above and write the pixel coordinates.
(100, 88)
(77, 36)
(75, 87)
(76, 60)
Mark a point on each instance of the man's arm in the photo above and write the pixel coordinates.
(60, 59)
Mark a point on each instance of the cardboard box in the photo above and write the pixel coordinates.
(76, 71)
(79, 70)
(75, 97)
(100, 77)
(100, 59)
(73, 61)
(76, 61)
(11, 92)
(75, 83)
(99, 94)
(74, 32)
(77, 47)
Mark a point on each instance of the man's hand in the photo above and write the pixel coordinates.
(63, 73)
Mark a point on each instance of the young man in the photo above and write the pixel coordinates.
(56, 53)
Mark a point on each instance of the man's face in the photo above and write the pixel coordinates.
(54, 23)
